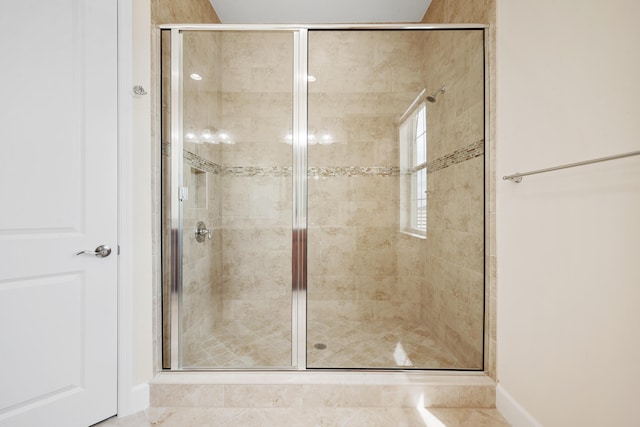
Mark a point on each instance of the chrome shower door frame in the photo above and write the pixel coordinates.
(299, 189)
(299, 173)
(299, 232)
(177, 158)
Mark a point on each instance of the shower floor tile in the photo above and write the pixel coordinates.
(330, 344)
(375, 344)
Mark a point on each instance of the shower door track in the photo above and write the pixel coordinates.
(299, 193)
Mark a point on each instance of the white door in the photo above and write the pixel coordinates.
(58, 195)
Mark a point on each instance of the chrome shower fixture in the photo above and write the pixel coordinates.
(432, 97)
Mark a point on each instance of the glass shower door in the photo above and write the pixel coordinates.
(323, 198)
(232, 201)
(396, 199)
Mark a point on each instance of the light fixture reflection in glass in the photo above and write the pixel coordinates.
(326, 139)
(190, 136)
(224, 137)
(314, 137)
(207, 136)
(196, 76)
(211, 136)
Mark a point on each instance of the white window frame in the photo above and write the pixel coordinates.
(413, 171)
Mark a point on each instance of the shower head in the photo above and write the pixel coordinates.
(432, 97)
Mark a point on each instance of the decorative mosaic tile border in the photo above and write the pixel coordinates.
(193, 159)
(201, 163)
(244, 171)
(354, 171)
(279, 171)
(467, 153)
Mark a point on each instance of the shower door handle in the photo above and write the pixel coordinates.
(101, 251)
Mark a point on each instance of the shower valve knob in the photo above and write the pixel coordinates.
(202, 231)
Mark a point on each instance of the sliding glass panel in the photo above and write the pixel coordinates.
(396, 199)
(235, 309)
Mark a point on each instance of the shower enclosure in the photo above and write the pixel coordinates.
(323, 197)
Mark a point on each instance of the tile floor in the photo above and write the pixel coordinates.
(332, 343)
(349, 344)
(311, 417)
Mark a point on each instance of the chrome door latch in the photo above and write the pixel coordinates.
(183, 193)
(101, 251)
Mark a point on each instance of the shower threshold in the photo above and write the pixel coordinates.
(322, 389)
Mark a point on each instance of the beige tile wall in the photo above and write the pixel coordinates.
(182, 12)
(365, 80)
(256, 105)
(453, 288)
(481, 12)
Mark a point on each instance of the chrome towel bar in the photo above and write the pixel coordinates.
(517, 177)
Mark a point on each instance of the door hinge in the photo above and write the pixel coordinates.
(183, 193)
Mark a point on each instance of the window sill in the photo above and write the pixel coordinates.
(415, 234)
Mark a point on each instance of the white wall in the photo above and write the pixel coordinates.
(142, 268)
(568, 85)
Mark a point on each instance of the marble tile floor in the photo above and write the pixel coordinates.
(310, 417)
(375, 344)
(331, 343)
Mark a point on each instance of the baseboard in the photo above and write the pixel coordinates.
(140, 397)
(513, 411)
(138, 400)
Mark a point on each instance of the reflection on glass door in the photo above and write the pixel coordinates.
(235, 297)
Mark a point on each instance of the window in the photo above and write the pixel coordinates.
(413, 168)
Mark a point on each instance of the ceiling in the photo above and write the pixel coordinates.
(319, 11)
